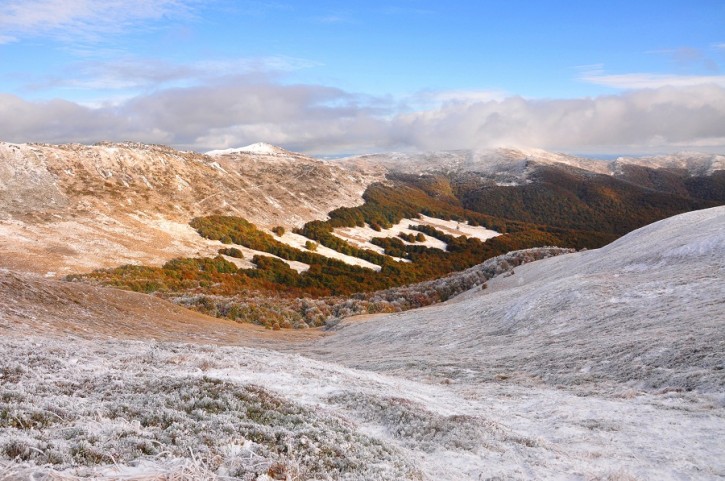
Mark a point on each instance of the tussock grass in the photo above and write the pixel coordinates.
(147, 411)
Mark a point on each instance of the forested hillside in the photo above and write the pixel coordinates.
(272, 282)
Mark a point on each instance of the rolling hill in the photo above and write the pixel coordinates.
(156, 220)
(74, 208)
(619, 317)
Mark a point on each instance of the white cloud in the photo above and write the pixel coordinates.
(274, 63)
(132, 73)
(437, 98)
(634, 121)
(648, 81)
(318, 119)
(74, 20)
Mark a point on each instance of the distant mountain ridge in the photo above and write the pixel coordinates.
(509, 165)
(696, 163)
(80, 207)
(561, 190)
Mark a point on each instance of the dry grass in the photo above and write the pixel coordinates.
(33, 305)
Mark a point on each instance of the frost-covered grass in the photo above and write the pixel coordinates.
(150, 411)
(109, 408)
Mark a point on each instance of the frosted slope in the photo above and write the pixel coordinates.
(645, 313)
(112, 409)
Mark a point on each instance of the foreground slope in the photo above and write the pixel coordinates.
(646, 312)
(605, 364)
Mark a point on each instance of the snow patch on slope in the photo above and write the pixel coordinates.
(299, 242)
(361, 236)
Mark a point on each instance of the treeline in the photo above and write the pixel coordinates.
(594, 202)
(386, 205)
(325, 276)
(294, 312)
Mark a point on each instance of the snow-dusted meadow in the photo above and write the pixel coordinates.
(361, 236)
(607, 364)
(299, 241)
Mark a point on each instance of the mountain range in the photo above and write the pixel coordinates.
(109, 204)
(545, 363)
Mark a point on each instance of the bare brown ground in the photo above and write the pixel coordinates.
(32, 305)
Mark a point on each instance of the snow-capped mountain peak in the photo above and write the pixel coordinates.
(257, 148)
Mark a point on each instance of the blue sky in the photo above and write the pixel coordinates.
(331, 77)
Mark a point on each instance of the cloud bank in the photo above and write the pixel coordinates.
(326, 120)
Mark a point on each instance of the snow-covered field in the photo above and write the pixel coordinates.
(607, 364)
(455, 228)
(299, 241)
(361, 236)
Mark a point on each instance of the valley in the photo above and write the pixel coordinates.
(528, 378)
(258, 314)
